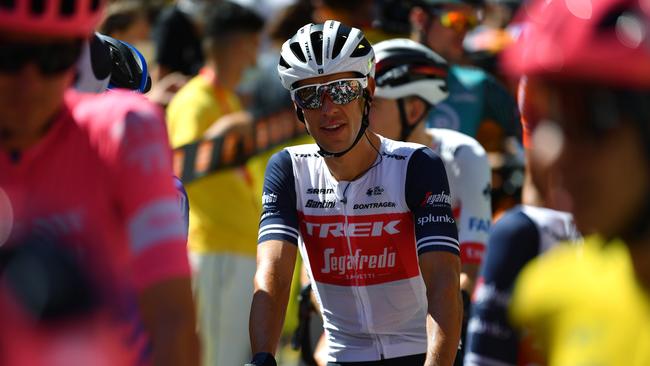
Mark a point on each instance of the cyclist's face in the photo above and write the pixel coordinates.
(605, 173)
(384, 118)
(334, 126)
(28, 97)
(447, 30)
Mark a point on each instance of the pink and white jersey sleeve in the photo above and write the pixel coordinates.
(129, 134)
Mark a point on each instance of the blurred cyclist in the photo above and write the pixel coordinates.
(92, 171)
(411, 80)
(371, 217)
(589, 62)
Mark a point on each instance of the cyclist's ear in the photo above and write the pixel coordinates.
(416, 109)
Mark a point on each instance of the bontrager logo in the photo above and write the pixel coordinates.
(342, 263)
(431, 199)
(320, 204)
(435, 219)
(366, 206)
(352, 229)
(269, 198)
(320, 190)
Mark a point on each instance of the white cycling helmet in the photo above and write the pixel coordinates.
(323, 49)
(406, 68)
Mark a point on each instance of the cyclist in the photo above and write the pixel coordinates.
(92, 171)
(521, 234)
(371, 217)
(590, 65)
(411, 80)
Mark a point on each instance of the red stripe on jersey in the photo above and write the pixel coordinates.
(360, 250)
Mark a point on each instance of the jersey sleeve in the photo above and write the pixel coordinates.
(279, 220)
(473, 191)
(143, 184)
(513, 242)
(428, 198)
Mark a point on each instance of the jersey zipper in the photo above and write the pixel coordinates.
(360, 298)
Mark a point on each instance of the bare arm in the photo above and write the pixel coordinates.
(275, 264)
(168, 315)
(441, 273)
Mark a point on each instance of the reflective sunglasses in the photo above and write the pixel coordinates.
(457, 20)
(50, 58)
(341, 91)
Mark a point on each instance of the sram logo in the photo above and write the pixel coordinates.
(352, 229)
(341, 264)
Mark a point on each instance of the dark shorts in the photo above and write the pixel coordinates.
(413, 360)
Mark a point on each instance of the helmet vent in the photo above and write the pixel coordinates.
(362, 48)
(295, 48)
(283, 62)
(94, 5)
(37, 6)
(341, 37)
(317, 44)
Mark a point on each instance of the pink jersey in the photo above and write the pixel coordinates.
(100, 181)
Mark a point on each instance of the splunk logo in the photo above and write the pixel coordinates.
(431, 199)
(341, 264)
(353, 229)
(436, 219)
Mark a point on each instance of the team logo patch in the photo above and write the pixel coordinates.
(360, 250)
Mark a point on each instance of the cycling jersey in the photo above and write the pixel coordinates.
(469, 176)
(360, 241)
(475, 97)
(100, 181)
(585, 305)
(520, 235)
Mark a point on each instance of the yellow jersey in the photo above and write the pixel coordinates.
(224, 209)
(584, 306)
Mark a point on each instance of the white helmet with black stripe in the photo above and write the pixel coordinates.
(323, 49)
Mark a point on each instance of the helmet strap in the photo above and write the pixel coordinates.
(407, 128)
(362, 130)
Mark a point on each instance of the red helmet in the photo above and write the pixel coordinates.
(51, 17)
(599, 41)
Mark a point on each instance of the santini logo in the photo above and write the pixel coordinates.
(431, 199)
(353, 229)
(435, 219)
(342, 263)
(320, 204)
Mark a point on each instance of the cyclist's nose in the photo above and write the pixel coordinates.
(328, 106)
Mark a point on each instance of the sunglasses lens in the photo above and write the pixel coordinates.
(308, 97)
(458, 20)
(49, 58)
(340, 92)
(344, 92)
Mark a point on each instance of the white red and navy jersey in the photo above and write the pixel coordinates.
(100, 181)
(469, 176)
(520, 235)
(360, 242)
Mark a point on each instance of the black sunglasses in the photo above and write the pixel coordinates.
(50, 58)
